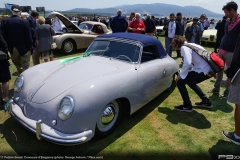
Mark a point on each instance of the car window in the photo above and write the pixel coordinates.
(85, 26)
(97, 29)
(121, 51)
(212, 26)
(149, 53)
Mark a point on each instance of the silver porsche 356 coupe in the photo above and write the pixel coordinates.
(69, 101)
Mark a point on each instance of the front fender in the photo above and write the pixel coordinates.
(81, 40)
(90, 98)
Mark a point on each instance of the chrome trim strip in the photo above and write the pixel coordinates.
(122, 40)
(52, 139)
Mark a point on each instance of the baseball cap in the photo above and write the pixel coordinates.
(15, 8)
(179, 14)
(195, 19)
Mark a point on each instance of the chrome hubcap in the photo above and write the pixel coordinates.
(68, 46)
(108, 116)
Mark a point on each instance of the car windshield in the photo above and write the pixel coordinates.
(122, 51)
(85, 26)
(212, 26)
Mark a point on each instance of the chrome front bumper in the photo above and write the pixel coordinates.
(46, 132)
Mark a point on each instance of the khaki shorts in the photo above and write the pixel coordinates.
(21, 62)
(234, 92)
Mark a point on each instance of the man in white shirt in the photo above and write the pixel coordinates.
(171, 29)
(194, 70)
(57, 26)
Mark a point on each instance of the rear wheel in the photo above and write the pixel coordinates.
(108, 119)
(68, 46)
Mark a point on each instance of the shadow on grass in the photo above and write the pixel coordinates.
(193, 119)
(15, 74)
(1, 107)
(23, 142)
(220, 104)
(224, 148)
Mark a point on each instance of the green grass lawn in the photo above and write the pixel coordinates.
(156, 131)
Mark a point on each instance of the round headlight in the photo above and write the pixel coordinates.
(66, 108)
(18, 84)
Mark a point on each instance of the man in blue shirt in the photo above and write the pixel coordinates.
(119, 23)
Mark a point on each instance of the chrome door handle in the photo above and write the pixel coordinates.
(164, 71)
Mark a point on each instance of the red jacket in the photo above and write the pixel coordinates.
(137, 24)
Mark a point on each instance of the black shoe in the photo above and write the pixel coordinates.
(213, 91)
(183, 108)
(231, 137)
(224, 95)
(205, 104)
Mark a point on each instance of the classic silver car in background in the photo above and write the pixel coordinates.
(160, 31)
(94, 28)
(75, 38)
(209, 35)
(64, 28)
(71, 100)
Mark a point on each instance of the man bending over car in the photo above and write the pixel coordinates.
(194, 70)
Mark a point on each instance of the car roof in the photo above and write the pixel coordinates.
(92, 22)
(143, 39)
(97, 23)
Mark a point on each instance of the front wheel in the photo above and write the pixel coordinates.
(108, 119)
(68, 46)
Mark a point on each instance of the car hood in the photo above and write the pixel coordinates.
(58, 78)
(209, 32)
(66, 22)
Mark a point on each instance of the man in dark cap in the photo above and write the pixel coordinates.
(201, 25)
(150, 26)
(17, 34)
(33, 25)
(192, 32)
(180, 22)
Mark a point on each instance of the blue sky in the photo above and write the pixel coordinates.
(212, 5)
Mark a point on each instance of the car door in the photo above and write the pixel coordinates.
(152, 75)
